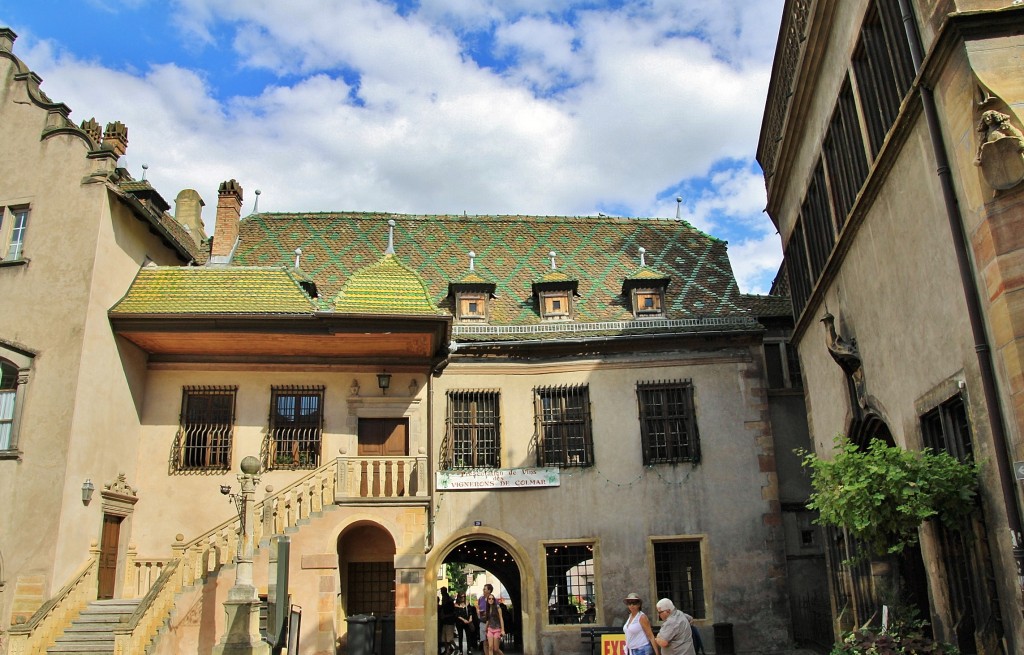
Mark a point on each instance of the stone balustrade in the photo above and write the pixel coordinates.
(377, 479)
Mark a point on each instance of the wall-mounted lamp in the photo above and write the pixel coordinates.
(87, 488)
(384, 381)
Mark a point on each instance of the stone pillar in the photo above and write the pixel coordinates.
(242, 607)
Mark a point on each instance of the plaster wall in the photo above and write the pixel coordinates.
(80, 254)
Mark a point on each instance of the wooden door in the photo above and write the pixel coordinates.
(383, 437)
(108, 556)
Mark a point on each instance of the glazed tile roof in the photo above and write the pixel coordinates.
(214, 291)
(766, 306)
(385, 287)
(512, 252)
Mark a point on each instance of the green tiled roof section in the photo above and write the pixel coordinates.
(768, 305)
(386, 287)
(555, 276)
(202, 290)
(647, 273)
(512, 252)
(472, 277)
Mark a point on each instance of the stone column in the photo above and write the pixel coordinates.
(242, 607)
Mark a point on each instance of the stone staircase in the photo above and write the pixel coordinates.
(92, 633)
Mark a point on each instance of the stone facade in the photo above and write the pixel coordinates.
(870, 235)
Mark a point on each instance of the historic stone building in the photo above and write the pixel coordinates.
(891, 148)
(578, 405)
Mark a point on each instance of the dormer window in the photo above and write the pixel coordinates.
(648, 303)
(645, 289)
(556, 305)
(471, 305)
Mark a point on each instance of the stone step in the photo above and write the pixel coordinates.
(92, 633)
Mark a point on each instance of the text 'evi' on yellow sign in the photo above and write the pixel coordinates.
(613, 644)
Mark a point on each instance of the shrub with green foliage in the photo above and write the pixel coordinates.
(882, 494)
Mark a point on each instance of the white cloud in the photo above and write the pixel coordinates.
(608, 110)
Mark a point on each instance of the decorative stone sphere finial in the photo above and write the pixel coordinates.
(250, 465)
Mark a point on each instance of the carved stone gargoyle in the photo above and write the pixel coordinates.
(1000, 151)
(844, 352)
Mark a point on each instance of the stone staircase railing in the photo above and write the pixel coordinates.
(194, 560)
(49, 621)
(140, 573)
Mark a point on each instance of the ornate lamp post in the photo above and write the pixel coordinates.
(242, 607)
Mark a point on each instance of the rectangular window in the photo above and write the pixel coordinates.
(471, 306)
(965, 554)
(206, 427)
(797, 269)
(6, 417)
(569, 576)
(563, 425)
(296, 427)
(647, 303)
(473, 430)
(883, 68)
(679, 576)
(782, 365)
(13, 223)
(555, 305)
(844, 155)
(668, 422)
(816, 214)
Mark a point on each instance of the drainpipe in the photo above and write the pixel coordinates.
(996, 411)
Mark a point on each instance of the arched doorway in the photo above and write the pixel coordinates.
(493, 558)
(366, 567)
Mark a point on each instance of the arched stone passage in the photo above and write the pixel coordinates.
(366, 568)
(500, 559)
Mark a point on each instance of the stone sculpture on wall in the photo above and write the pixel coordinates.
(1000, 151)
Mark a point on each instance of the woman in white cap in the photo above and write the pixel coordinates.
(675, 636)
(639, 637)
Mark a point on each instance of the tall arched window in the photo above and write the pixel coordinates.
(15, 373)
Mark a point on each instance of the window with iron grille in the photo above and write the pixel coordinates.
(679, 576)
(965, 554)
(569, 576)
(206, 428)
(884, 69)
(797, 270)
(474, 437)
(844, 155)
(563, 425)
(296, 427)
(371, 588)
(668, 422)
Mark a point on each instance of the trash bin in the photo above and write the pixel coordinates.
(361, 629)
(387, 635)
(724, 643)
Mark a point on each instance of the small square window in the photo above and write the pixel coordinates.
(471, 306)
(647, 303)
(555, 305)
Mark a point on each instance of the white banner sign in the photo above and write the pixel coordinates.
(525, 478)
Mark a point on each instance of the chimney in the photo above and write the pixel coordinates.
(115, 137)
(188, 210)
(229, 209)
(92, 128)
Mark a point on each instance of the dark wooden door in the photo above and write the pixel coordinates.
(383, 437)
(108, 555)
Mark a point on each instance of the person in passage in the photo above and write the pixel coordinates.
(675, 636)
(481, 608)
(447, 609)
(465, 625)
(639, 636)
(495, 626)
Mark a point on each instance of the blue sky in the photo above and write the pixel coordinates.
(432, 106)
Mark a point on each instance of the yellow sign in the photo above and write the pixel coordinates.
(613, 644)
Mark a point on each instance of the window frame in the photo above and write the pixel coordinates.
(695, 603)
(299, 445)
(785, 357)
(462, 301)
(558, 422)
(654, 293)
(679, 449)
(20, 364)
(545, 299)
(186, 427)
(591, 575)
(14, 221)
(473, 430)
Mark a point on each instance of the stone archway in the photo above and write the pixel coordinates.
(366, 568)
(499, 555)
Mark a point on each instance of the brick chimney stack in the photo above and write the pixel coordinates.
(115, 137)
(229, 210)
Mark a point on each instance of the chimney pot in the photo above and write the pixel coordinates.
(115, 137)
(229, 211)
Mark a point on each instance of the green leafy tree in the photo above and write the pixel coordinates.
(455, 573)
(883, 493)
